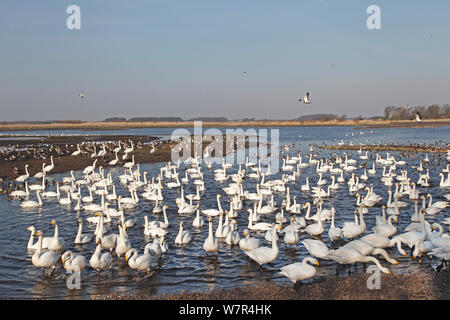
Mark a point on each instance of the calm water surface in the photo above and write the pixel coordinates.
(187, 267)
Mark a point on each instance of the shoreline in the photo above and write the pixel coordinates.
(101, 125)
(418, 285)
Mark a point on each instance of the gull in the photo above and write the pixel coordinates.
(81, 94)
(305, 99)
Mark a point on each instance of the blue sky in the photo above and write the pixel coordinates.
(185, 58)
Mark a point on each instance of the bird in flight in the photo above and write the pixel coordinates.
(418, 117)
(244, 73)
(81, 94)
(305, 99)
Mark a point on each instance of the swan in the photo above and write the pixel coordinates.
(114, 161)
(306, 187)
(155, 248)
(51, 194)
(387, 229)
(260, 226)
(317, 228)
(154, 231)
(233, 236)
(297, 272)
(291, 235)
(80, 237)
(21, 193)
(160, 224)
(183, 236)
(268, 209)
(90, 169)
(31, 203)
(44, 259)
(45, 240)
(99, 260)
(333, 232)
(107, 242)
(50, 167)
(188, 208)
(123, 244)
(295, 207)
(24, 177)
(316, 248)
(248, 242)
(39, 186)
(380, 241)
(198, 220)
(438, 204)
(211, 244)
(129, 164)
(351, 230)
(66, 201)
(145, 262)
(366, 249)
(214, 212)
(73, 262)
(57, 243)
(77, 152)
(263, 255)
(396, 203)
(349, 256)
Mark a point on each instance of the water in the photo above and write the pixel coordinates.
(187, 267)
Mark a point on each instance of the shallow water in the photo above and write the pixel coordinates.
(187, 267)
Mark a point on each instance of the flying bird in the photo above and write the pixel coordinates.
(418, 117)
(244, 73)
(81, 94)
(305, 99)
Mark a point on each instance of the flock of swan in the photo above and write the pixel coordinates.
(257, 210)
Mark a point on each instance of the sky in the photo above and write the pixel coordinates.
(185, 58)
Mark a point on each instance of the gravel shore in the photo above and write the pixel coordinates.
(420, 285)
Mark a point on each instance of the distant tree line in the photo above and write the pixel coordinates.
(321, 117)
(407, 113)
(166, 119)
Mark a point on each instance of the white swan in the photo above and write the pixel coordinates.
(211, 244)
(334, 232)
(198, 220)
(34, 246)
(145, 262)
(44, 259)
(24, 177)
(291, 235)
(349, 256)
(366, 248)
(31, 203)
(123, 244)
(183, 236)
(263, 255)
(297, 272)
(214, 212)
(351, 230)
(248, 242)
(316, 248)
(99, 260)
(57, 243)
(73, 262)
(387, 229)
(80, 237)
